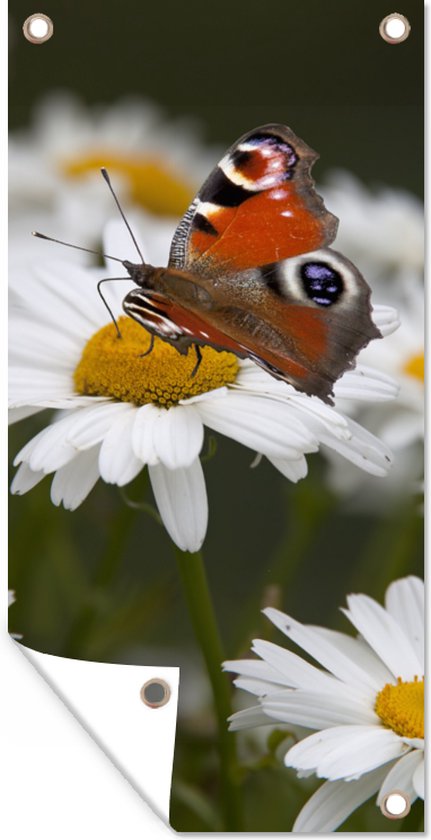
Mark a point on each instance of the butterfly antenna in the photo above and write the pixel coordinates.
(123, 216)
(77, 247)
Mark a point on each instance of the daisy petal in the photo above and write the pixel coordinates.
(324, 424)
(73, 482)
(256, 668)
(416, 743)
(293, 469)
(363, 449)
(49, 450)
(386, 319)
(404, 601)
(49, 348)
(93, 423)
(17, 414)
(361, 653)
(54, 292)
(311, 709)
(400, 776)
(27, 385)
(25, 479)
(178, 436)
(262, 425)
(118, 463)
(259, 688)
(117, 240)
(419, 780)
(253, 716)
(345, 751)
(364, 383)
(182, 502)
(333, 802)
(322, 649)
(216, 394)
(309, 410)
(146, 419)
(384, 635)
(293, 671)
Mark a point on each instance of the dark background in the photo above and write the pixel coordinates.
(101, 583)
(317, 65)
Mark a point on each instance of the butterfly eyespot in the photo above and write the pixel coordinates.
(321, 283)
(241, 158)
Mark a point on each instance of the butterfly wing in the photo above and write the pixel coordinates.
(303, 319)
(309, 321)
(179, 325)
(257, 206)
(250, 271)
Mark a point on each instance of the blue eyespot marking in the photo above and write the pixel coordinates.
(322, 284)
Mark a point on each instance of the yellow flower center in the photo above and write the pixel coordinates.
(115, 367)
(415, 367)
(152, 184)
(401, 707)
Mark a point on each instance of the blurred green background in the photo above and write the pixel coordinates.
(101, 583)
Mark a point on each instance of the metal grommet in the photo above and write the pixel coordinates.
(155, 693)
(395, 805)
(394, 28)
(38, 28)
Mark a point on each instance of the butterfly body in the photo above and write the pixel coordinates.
(250, 271)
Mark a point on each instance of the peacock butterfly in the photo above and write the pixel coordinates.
(250, 270)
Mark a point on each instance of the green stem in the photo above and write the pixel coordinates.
(195, 585)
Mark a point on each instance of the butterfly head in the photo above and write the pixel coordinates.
(140, 273)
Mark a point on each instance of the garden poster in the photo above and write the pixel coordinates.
(216, 388)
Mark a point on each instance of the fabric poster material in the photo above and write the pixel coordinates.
(216, 400)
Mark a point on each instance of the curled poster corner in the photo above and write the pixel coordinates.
(105, 699)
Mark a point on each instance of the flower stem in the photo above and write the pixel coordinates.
(195, 585)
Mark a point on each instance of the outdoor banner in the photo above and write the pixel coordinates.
(216, 399)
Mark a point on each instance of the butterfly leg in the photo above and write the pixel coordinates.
(198, 360)
(147, 352)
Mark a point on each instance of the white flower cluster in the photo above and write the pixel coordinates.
(54, 177)
(56, 310)
(351, 746)
(382, 232)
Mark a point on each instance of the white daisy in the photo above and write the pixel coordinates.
(401, 424)
(54, 179)
(401, 356)
(382, 230)
(120, 411)
(366, 702)
(385, 230)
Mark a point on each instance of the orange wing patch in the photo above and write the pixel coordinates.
(259, 205)
(270, 226)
